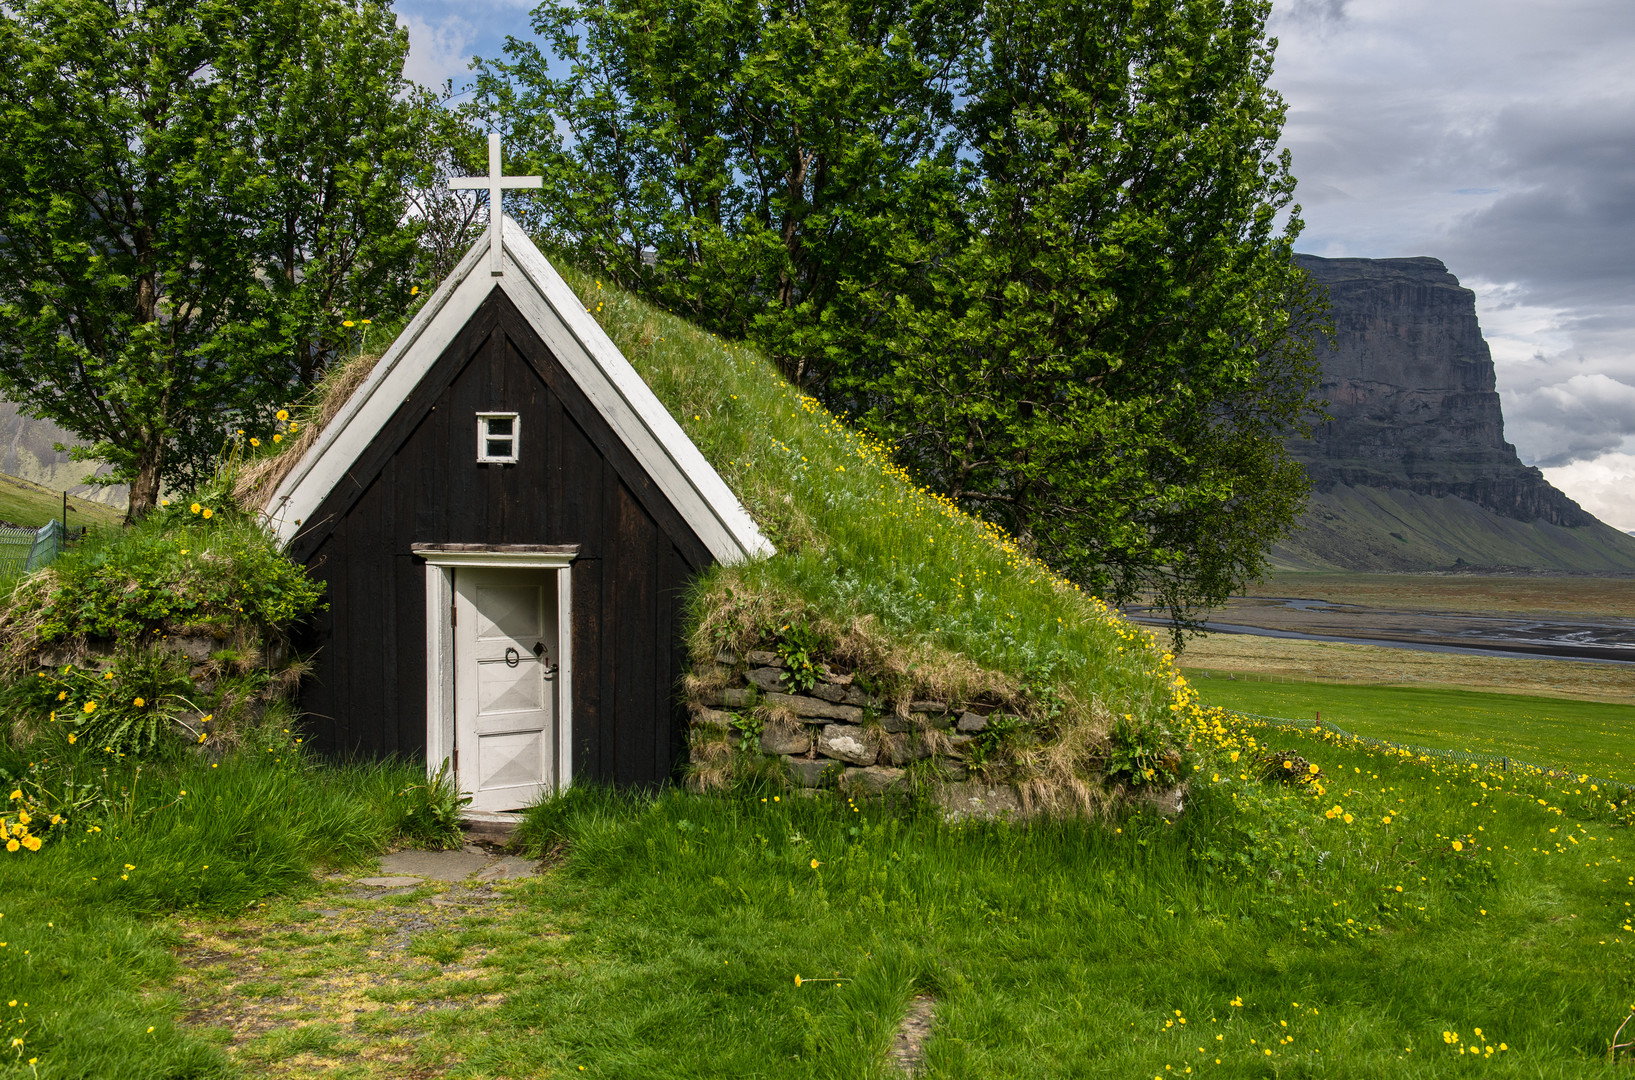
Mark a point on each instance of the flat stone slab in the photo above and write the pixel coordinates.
(509, 868)
(395, 881)
(436, 865)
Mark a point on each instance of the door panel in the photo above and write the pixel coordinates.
(505, 644)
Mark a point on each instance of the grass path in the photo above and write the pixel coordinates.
(1584, 736)
(357, 982)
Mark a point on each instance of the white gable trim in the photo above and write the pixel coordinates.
(591, 359)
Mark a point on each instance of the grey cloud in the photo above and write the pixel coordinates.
(1578, 418)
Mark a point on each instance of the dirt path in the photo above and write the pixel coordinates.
(376, 976)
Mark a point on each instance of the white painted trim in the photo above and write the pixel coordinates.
(483, 437)
(440, 567)
(591, 359)
(439, 668)
(564, 678)
(527, 560)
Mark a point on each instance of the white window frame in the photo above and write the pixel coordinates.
(483, 456)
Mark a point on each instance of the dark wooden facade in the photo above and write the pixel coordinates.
(575, 483)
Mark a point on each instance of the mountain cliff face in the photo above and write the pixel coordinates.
(1410, 389)
(1411, 471)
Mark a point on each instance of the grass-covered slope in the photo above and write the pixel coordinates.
(25, 503)
(1380, 529)
(892, 574)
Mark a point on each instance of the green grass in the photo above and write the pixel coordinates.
(86, 949)
(25, 503)
(1073, 949)
(1579, 736)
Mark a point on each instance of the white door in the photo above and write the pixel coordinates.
(505, 686)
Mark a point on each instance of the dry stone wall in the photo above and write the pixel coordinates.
(832, 732)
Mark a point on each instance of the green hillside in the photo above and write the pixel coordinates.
(30, 505)
(1381, 529)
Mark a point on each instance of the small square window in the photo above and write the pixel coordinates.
(497, 437)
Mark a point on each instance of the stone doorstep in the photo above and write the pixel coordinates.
(495, 827)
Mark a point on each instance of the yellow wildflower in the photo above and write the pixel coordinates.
(283, 414)
(90, 707)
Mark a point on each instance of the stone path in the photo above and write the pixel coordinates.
(379, 975)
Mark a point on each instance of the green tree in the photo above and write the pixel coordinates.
(1104, 345)
(192, 197)
(1036, 243)
(738, 161)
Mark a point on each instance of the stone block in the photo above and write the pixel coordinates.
(714, 718)
(732, 697)
(762, 658)
(811, 772)
(767, 678)
(910, 749)
(846, 743)
(804, 706)
(194, 648)
(934, 707)
(972, 722)
(874, 780)
(777, 741)
(969, 799)
(829, 692)
(726, 657)
(838, 680)
(896, 724)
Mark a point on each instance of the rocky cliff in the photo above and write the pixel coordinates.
(1410, 389)
(1411, 470)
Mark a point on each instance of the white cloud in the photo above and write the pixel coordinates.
(1605, 486)
(439, 48)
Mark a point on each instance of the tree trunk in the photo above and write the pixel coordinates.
(145, 484)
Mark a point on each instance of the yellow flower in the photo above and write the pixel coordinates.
(72, 738)
(139, 703)
(90, 706)
(366, 322)
(255, 442)
(194, 508)
(294, 427)
(816, 864)
(283, 414)
(63, 696)
(1458, 845)
(797, 981)
(12, 845)
(107, 676)
(278, 438)
(206, 512)
(347, 323)
(415, 291)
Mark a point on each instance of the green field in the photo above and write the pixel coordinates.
(30, 505)
(1579, 736)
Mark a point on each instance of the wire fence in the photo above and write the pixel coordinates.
(1496, 762)
(22, 550)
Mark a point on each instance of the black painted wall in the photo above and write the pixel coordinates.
(575, 483)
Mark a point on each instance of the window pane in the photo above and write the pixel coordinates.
(499, 425)
(499, 448)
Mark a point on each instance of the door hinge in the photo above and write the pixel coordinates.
(454, 615)
(456, 756)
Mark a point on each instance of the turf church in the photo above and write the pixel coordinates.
(505, 517)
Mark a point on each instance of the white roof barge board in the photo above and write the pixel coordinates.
(585, 351)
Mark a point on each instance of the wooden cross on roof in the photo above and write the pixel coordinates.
(495, 182)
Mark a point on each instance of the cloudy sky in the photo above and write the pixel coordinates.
(1495, 135)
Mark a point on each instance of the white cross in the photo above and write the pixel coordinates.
(495, 183)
